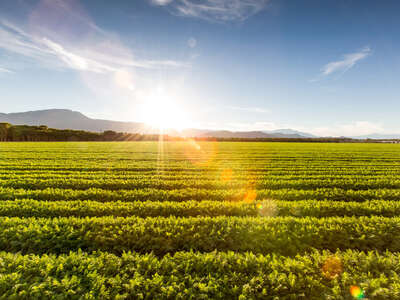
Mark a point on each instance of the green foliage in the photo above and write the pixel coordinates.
(196, 220)
(283, 235)
(86, 208)
(188, 275)
(35, 208)
(4, 131)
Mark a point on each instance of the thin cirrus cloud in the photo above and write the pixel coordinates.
(60, 35)
(161, 2)
(4, 70)
(214, 10)
(44, 50)
(346, 63)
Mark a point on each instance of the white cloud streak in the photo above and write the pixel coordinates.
(74, 43)
(348, 61)
(75, 61)
(161, 2)
(4, 70)
(214, 10)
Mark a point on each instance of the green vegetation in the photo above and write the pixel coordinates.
(274, 208)
(199, 220)
(24, 133)
(282, 235)
(188, 275)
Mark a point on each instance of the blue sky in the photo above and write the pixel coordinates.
(326, 67)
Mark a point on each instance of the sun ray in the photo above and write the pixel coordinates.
(160, 153)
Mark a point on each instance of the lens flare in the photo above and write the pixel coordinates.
(226, 175)
(332, 267)
(250, 196)
(267, 208)
(194, 144)
(160, 155)
(200, 154)
(356, 292)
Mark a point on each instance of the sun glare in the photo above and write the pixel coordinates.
(163, 113)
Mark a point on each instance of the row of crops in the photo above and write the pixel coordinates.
(199, 220)
(104, 195)
(305, 208)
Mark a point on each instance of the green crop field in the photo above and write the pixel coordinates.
(199, 220)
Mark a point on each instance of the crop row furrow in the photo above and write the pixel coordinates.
(151, 194)
(216, 184)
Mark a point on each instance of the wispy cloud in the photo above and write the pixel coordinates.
(75, 61)
(75, 42)
(4, 70)
(250, 109)
(214, 10)
(346, 63)
(161, 2)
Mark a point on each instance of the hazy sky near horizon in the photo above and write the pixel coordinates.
(325, 67)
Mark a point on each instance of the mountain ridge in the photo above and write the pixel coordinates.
(69, 119)
(378, 136)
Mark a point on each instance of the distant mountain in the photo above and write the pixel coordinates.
(68, 119)
(291, 132)
(247, 134)
(378, 136)
(280, 133)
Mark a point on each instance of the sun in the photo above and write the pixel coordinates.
(162, 107)
(163, 113)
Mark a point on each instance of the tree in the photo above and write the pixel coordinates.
(4, 131)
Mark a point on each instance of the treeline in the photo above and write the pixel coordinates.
(25, 133)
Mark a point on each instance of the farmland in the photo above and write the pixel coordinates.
(199, 220)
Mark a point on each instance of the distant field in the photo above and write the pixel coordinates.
(199, 220)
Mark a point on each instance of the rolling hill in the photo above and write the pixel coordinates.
(68, 119)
